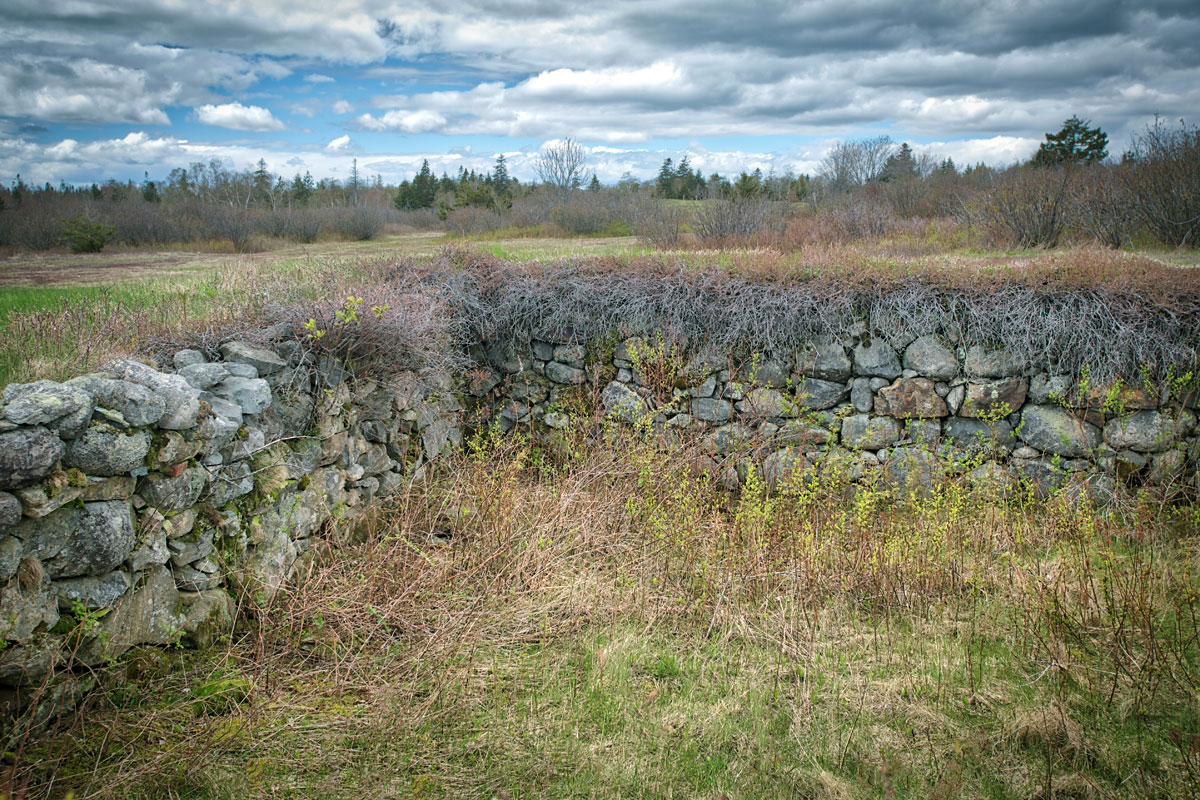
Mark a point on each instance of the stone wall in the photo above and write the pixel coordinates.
(898, 412)
(137, 502)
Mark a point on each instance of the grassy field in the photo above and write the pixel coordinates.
(604, 623)
(596, 619)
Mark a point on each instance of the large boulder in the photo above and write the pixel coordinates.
(251, 395)
(139, 406)
(27, 455)
(973, 436)
(1148, 431)
(910, 398)
(63, 408)
(104, 450)
(75, 541)
(818, 394)
(708, 409)
(876, 359)
(994, 399)
(982, 362)
(181, 400)
(932, 358)
(1053, 430)
(824, 359)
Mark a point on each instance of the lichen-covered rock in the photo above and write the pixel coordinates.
(561, 373)
(805, 432)
(91, 591)
(90, 540)
(991, 478)
(984, 363)
(181, 400)
(220, 425)
(1148, 431)
(10, 557)
(910, 398)
(876, 359)
(204, 376)
(710, 409)
(864, 432)
(117, 487)
(1041, 475)
(818, 394)
(186, 358)
(923, 431)
(192, 547)
(27, 455)
(48, 496)
(973, 436)
(105, 450)
(10, 510)
(27, 604)
(138, 405)
(1053, 430)
(264, 361)
(732, 438)
(932, 358)
(782, 466)
(912, 471)
(824, 359)
(767, 402)
(861, 396)
(168, 493)
(1045, 388)
(995, 398)
(63, 408)
(252, 395)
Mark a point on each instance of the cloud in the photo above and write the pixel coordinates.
(317, 78)
(339, 145)
(342, 107)
(238, 117)
(420, 121)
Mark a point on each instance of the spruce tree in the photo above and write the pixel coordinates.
(1076, 143)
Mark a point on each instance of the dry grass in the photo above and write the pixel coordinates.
(598, 620)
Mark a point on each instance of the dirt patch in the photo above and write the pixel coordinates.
(76, 270)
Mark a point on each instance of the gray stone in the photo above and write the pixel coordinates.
(91, 591)
(175, 448)
(561, 373)
(994, 399)
(181, 400)
(973, 437)
(10, 557)
(252, 395)
(39, 501)
(984, 363)
(150, 614)
(912, 471)
(824, 359)
(239, 370)
(1167, 468)
(168, 493)
(991, 478)
(27, 605)
(878, 383)
(878, 359)
(805, 432)
(766, 402)
(955, 397)
(769, 373)
(262, 359)
(781, 467)
(1044, 388)
(542, 350)
(734, 437)
(818, 394)
(1039, 474)
(931, 357)
(79, 541)
(909, 398)
(705, 389)
(204, 376)
(1052, 430)
(63, 408)
(230, 482)
(103, 450)
(438, 436)
(869, 433)
(861, 396)
(734, 390)
(138, 405)
(10, 510)
(151, 551)
(572, 354)
(186, 358)
(711, 410)
(1148, 431)
(923, 431)
(27, 455)
(556, 419)
(220, 425)
(190, 548)
(505, 357)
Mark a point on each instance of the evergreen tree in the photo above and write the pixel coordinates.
(1075, 143)
(422, 191)
(149, 190)
(900, 166)
(666, 174)
(594, 186)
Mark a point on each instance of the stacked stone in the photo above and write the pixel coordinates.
(907, 410)
(142, 496)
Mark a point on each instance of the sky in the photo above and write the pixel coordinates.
(92, 90)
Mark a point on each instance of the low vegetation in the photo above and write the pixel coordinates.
(599, 617)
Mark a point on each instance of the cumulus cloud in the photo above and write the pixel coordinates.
(342, 107)
(317, 78)
(238, 117)
(339, 145)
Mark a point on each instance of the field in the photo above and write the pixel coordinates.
(598, 619)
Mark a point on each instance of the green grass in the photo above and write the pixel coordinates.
(604, 627)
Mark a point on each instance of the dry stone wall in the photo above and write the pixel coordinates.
(137, 502)
(902, 413)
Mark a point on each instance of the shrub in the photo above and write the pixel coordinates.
(1029, 206)
(584, 215)
(1100, 205)
(83, 235)
(737, 218)
(1164, 182)
(362, 222)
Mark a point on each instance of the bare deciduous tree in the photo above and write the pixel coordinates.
(856, 162)
(561, 165)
